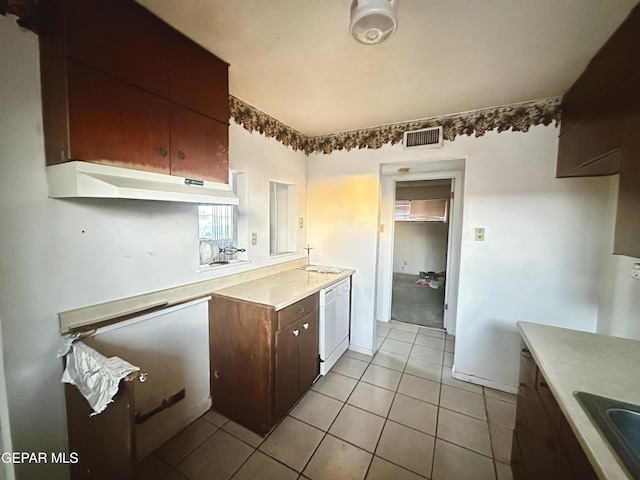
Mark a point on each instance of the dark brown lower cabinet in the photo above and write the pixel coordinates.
(297, 363)
(262, 360)
(103, 445)
(544, 445)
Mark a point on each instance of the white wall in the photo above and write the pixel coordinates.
(539, 262)
(541, 257)
(619, 292)
(59, 255)
(420, 247)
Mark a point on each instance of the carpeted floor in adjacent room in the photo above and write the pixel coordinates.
(416, 304)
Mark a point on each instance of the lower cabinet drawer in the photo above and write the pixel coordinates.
(293, 312)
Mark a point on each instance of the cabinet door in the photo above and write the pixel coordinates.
(528, 369)
(536, 438)
(121, 38)
(591, 144)
(574, 453)
(197, 79)
(240, 340)
(627, 232)
(309, 360)
(517, 464)
(115, 123)
(105, 444)
(534, 431)
(287, 368)
(199, 146)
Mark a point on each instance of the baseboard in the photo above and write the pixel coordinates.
(484, 382)
(366, 351)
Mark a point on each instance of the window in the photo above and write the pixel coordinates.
(282, 218)
(218, 228)
(434, 210)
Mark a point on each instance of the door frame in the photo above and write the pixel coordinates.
(389, 176)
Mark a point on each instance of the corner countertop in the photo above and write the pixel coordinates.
(285, 288)
(572, 360)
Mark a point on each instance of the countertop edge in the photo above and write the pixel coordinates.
(329, 279)
(604, 461)
(112, 311)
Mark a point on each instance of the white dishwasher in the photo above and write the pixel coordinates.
(335, 313)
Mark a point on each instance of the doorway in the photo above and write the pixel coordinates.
(390, 175)
(420, 247)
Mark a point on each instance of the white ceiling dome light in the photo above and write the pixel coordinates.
(373, 21)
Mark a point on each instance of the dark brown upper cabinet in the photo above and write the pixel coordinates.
(120, 38)
(595, 108)
(600, 130)
(192, 74)
(627, 235)
(115, 123)
(120, 87)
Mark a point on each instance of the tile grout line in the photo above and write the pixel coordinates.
(493, 453)
(359, 380)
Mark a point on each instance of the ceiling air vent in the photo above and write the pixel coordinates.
(425, 137)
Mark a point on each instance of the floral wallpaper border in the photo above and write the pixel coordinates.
(25, 10)
(517, 118)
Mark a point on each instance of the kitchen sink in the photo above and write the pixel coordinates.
(619, 422)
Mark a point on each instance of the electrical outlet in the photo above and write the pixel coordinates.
(479, 234)
(300, 222)
(254, 239)
(635, 273)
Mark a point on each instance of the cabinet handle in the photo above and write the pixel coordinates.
(181, 155)
(544, 384)
(163, 151)
(305, 325)
(296, 333)
(301, 310)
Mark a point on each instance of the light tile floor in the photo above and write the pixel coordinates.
(399, 415)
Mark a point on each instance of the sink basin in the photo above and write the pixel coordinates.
(619, 422)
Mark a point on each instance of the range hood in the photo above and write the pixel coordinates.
(92, 180)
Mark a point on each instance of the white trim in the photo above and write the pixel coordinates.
(357, 349)
(219, 266)
(8, 472)
(484, 382)
(149, 316)
(425, 170)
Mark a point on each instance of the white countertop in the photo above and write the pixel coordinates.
(571, 361)
(286, 283)
(284, 288)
